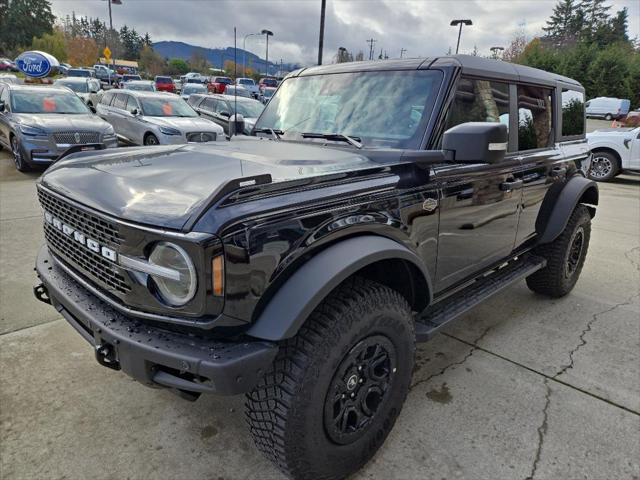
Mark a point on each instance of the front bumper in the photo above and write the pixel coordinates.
(43, 151)
(157, 358)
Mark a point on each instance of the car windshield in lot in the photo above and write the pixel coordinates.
(78, 72)
(191, 88)
(46, 101)
(140, 86)
(166, 107)
(78, 87)
(378, 109)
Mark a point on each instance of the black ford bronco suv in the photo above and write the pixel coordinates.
(374, 203)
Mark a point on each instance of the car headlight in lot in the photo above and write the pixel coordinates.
(32, 131)
(179, 286)
(170, 131)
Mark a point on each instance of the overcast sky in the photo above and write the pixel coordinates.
(419, 26)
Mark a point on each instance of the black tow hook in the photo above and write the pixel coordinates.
(106, 356)
(42, 294)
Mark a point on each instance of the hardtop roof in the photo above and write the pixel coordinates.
(470, 64)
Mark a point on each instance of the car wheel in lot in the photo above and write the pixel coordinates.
(565, 257)
(18, 155)
(336, 388)
(604, 167)
(151, 139)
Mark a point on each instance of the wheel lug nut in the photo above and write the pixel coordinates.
(361, 380)
(353, 395)
(343, 395)
(360, 368)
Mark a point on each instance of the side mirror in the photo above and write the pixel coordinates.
(476, 142)
(1, 106)
(135, 112)
(92, 108)
(236, 125)
(225, 114)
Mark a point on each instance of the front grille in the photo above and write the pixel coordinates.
(76, 138)
(201, 137)
(88, 262)
(100, 230)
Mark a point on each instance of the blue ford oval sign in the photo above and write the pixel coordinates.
(36, 64)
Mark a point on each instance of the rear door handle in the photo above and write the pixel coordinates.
(511, 185)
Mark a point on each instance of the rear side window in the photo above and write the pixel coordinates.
(535, 113)
(572, 113)
(107, 98)
(120, 101)
(209, 104)
(479, 101)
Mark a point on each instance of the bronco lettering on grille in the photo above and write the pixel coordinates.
(81, 238)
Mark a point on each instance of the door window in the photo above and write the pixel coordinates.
(479, 101)
(535, 113)
(572, 113)
(209, 105)
(222, 107)
(132, 104)
(120, 101)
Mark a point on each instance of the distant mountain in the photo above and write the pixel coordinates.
(217, 56)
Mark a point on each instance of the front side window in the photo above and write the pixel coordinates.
(132, 104)
(378, 108)
(572, 112)
(45, 101)
(535, 112)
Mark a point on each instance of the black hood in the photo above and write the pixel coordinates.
(165, 186)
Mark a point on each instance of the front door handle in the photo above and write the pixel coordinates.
(511, 185)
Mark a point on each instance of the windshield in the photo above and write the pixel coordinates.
(241, 92)
(79, 73)
(166, 107)
(54, 101)
(250, 109)
(145, 87)
(380, 108)
(246, 81)
(268, 92)
(194, 88)
(79, 87)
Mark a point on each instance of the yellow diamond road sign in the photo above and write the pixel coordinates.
(107, 53)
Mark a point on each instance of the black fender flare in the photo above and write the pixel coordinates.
(294, 301)
(577, 190)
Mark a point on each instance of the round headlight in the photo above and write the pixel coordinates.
(181, 288)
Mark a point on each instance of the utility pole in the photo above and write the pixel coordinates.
(402, 52)
(323, 7)
(460, 22)
(371, 43)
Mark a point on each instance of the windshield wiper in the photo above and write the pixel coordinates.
(339, 137)
(274, 133)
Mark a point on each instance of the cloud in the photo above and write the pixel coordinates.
(419, 26)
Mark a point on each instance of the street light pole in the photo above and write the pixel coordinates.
(113, 59)
(323, 7)
(460, 22)
(244, 53)
(495, 51)
(267, 33)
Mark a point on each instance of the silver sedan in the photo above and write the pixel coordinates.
(155, 118)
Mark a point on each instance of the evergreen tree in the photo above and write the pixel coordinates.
(596, 14)
(21, 21)
(560, 27)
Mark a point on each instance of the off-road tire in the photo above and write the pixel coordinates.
(287, 411)
(563, 264)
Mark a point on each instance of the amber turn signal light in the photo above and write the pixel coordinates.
(217, 275)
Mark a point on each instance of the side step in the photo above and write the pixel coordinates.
(445, 311)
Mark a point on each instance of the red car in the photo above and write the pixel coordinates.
(218, 84)
(165, 84)
(267, 82)
(7, 65)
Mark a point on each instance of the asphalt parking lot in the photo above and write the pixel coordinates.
(522, 387)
